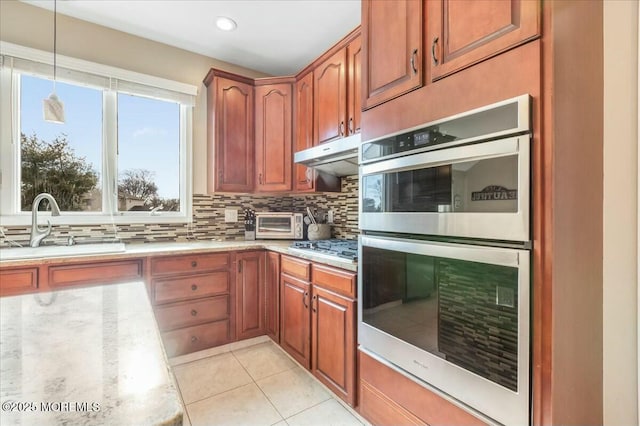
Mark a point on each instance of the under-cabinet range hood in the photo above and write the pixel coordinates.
(337, 158)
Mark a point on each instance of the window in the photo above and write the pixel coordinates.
(122, 155)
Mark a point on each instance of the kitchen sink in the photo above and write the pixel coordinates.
(60, 251)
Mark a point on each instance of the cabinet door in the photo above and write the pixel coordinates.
(295, 318)
(234, 143)
(462, 33)
(304, 176)
(250, 294)
(273, 137)
(392, 46)
(354, 87)
(271, 296)
(334, 342)
(330, 98)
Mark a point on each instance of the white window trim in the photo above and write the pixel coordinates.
(10, 134)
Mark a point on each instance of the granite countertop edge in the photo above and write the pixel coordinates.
(133, 250)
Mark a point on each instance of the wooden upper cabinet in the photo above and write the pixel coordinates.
(392, 47)
(354, 86)
(461, 33)
(304, 176)
(273, 131)
(230, 132)
(330, 98)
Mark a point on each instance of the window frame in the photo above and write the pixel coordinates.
(10, 167)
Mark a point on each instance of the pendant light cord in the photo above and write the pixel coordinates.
(55, 34)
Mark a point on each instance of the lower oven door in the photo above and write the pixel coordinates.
(455, 316)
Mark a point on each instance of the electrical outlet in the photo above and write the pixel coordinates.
(230, 215)
(330, 216)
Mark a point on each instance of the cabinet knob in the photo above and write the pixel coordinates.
(194, 264)
(194, 287)
(433, 51)
(194, 339)
(194, 312)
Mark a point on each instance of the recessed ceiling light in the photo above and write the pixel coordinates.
(226, 24)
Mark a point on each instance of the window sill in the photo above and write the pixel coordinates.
(93, 219)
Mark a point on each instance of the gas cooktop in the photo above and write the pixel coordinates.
(334, 248)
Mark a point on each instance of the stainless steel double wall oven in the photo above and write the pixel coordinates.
(444, 256)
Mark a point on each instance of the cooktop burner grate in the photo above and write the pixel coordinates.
(346, 249)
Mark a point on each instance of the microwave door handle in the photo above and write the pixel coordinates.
(458, 154)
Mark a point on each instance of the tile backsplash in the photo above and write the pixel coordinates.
(208, 219)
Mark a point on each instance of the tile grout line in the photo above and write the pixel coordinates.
(261, 391)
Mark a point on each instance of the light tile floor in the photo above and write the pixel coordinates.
(255, 385)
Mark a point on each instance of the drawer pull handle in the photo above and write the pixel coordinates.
(194, 264)
(194, 312)
(194, 287)
(194, 339)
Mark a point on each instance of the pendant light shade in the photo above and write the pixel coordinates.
(53, 108)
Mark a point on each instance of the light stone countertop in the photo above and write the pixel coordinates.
(175, 248)
(84, 356)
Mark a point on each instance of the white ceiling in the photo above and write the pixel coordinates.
(277, 37)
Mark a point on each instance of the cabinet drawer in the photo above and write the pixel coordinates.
(191, 339)
(340, 281)
(18, 281)
(95, 273)
(189, 263)
(185, 314)
(190, 287)
(295, 267)
(388, 397)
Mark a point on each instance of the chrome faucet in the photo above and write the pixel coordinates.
(38, 234)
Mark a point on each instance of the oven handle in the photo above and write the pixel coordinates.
(490, 255)
(458, 154)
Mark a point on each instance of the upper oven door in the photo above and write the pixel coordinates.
(472, 191)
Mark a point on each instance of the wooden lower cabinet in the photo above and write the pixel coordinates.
(318, 322)
(194, 301)
(333, 342)
(272, 296)
(94, 273)
(18, 281)
(190, 339)
(250, 294)
(388, 397)
(295, 318)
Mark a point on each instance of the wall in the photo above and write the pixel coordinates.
(620, 279)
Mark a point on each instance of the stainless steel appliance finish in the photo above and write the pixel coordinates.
(338, 158)
(332, 248)
(443, 261)
(410, 184)
(455, 316)
(278, 226)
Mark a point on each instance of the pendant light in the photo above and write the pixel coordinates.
(53, 108)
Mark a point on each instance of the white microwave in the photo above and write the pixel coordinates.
(279, 226)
